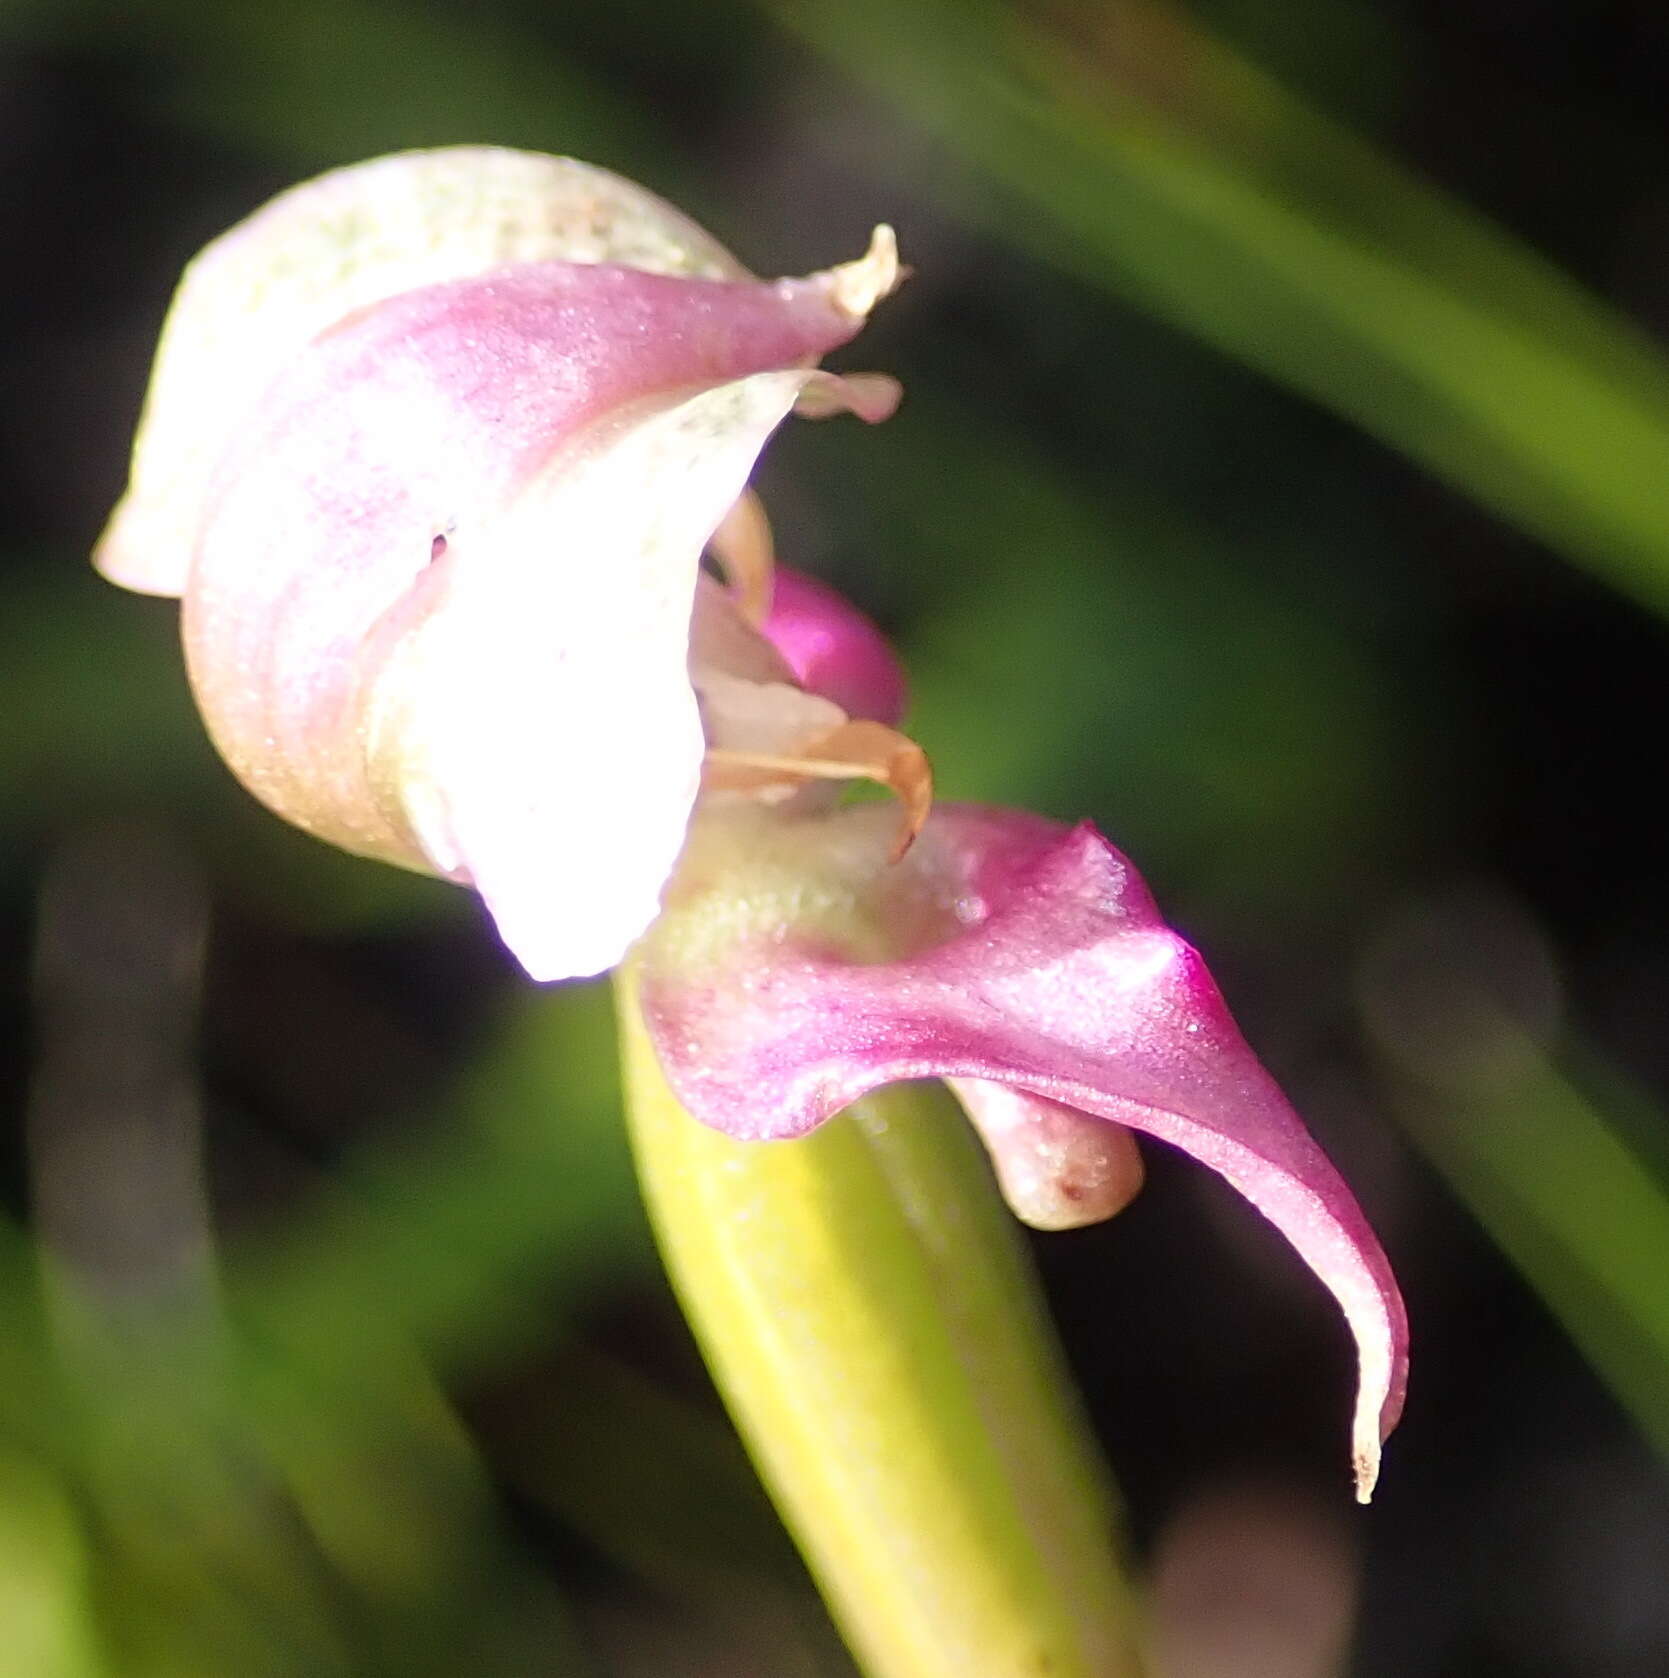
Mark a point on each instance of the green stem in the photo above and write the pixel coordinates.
(866, 1308)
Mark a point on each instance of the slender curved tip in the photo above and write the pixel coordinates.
(1378, 1407)
(858, 286)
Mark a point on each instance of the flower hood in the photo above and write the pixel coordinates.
(432, 451)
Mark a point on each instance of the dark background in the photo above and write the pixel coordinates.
(1183, 526)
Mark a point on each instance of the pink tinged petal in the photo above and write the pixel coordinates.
(833, 649)
(440, 606)
(1057, 1168)
(255, 296)
(1037, 960)
(747, 692)
(750, 703)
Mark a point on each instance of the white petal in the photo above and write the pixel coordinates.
(548, 740)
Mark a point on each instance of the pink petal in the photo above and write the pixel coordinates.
(833, 649)
(440, 606)
(1035, 958)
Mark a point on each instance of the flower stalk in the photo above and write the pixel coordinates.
(865, 1305)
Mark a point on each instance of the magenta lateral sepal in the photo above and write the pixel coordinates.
(1036, 958)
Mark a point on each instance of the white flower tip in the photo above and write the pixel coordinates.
(1365, 1457)
(858, 286)
(1381, 1366)
(569, 947)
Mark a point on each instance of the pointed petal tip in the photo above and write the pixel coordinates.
(857, 287)
(134, 555)
(873, 397)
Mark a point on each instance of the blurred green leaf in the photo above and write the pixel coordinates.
(46, 1622)
(1533, 1156)
(96, 703)
(474, 1229)
(1086, 651)
(1545, 1173)
(331, 81)
(1402, 313)
(666, 1491)
(99, 724)
(29, 1416)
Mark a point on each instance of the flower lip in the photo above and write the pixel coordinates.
(1034, 958)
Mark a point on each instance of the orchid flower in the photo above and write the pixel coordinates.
(433, 452)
